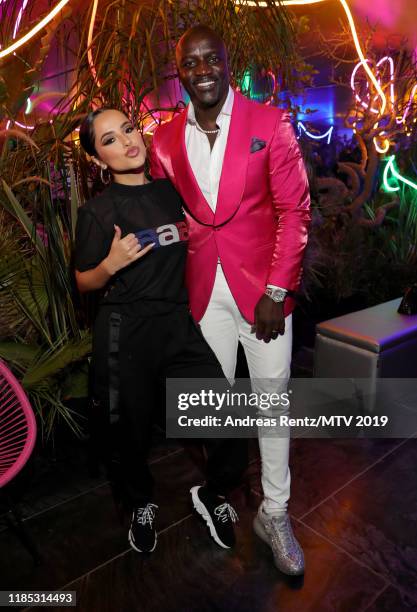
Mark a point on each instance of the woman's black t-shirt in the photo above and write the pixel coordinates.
(154, 284)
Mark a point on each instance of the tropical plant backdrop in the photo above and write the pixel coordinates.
(123, 57)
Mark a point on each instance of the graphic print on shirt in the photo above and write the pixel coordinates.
(164, 235)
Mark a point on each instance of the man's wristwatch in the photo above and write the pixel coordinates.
(277, 294)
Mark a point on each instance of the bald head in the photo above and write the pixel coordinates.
(203, 67)
(196, 34)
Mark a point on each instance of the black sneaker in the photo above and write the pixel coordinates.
(218, 514)
(142, 534)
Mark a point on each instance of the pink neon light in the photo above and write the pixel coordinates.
(388, 59)
(407, 109)
(19, 18)
(352, 83)
(413, 92)
(25, 127)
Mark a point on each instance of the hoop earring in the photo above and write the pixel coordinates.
(107, 181)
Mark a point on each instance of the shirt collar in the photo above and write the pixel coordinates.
(226, 108)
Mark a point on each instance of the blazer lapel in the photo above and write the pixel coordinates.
(184, 176)
(235, 163)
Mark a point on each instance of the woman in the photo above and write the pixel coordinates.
(131, 242)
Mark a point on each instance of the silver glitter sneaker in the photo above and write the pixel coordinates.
(276, 531)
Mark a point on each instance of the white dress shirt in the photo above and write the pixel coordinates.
(207, 163)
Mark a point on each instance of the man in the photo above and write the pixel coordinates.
(239, 170)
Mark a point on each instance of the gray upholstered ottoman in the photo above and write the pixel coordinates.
(373, 343)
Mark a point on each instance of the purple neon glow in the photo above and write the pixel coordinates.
(413, 92)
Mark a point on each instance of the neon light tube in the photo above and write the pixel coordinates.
(25, 127)
(329, 132)
(390, 167)
(388, 59)
(355, 40)
(19, 18)
(38, 27)
(410, 100)
(89, 41)
(361, 55)
(354, 35)
(384, 149)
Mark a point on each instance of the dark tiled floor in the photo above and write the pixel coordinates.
(354, 508)
(374, 518)
(200, 577)
(391, 600)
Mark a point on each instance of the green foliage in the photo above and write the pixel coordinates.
(375, 263)
(40, 329)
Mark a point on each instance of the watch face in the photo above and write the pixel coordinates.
(278, 295)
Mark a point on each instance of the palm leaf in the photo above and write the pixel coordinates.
(75, 201)
(15, 209)
(56, 359)
(18, 353)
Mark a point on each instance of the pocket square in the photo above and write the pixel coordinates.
(257, 144)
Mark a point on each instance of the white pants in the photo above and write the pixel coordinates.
(223, 326)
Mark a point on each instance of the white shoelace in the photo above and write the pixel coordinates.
(146, 515)
(225, 511)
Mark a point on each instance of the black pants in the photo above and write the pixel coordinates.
(132, 357)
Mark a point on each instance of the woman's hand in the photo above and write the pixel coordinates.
(124, 251)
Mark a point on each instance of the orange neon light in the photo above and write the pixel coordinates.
(38, 27)
(384, 149)
(359, 51)
(89, 41)
(371, 75)
(352, 28)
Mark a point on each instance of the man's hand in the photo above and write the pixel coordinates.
(269, 319)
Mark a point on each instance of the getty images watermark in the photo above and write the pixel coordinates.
(310, 407)
(218, 400)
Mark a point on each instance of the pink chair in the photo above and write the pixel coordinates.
(17, 439)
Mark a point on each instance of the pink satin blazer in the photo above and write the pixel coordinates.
(259, 229)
